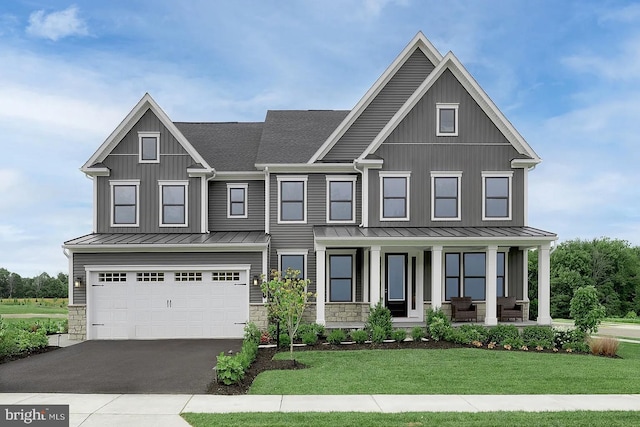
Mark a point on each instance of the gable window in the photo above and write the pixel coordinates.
(294, 261)
(125, 196)
(341, 277)
(496, 190)
(466, 274)
(292, 199)
(340, 199)
(149, 147)
(236, 200)
(394, 196)
(445, 191)
(173, 203)
(446, 119)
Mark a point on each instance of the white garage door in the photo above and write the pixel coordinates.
(167, 304)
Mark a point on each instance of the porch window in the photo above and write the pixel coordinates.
(475, 267)
(469, 277)
(501, 274)
(340, 278)
(452, 276)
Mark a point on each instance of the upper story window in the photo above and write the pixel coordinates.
(445, 193)
(174, 209)
(496, 191)
(292, 199)
(394, 196)
(446, 119)
(237, 200)
(125, 203)
(341, 206)
(149, 150)
(293, 260)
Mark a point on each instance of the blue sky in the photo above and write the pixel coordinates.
(566, 73)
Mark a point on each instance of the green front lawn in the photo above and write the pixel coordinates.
(43, 306)
(452, 419)
(454, 371)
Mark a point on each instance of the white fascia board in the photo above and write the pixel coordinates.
(239, 176)
(241, 247)
(419, 42)
(426, 242)
(524, 163)
(146, 103)
(451, 63)
(307, 168)
(197, 173)
(96, 171)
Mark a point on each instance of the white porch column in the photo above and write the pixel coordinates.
(374, 276)
(321, 286)
(490, 317)
(525, 274)
(544, 285)
(436, 277)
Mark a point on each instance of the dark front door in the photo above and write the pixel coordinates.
(396, 284)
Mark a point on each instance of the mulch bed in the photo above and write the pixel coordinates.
(13, 357)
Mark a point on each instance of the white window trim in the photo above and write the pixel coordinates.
(292, 178)
(443, 106)
(185, 184)
(353, 274)
(437, 174)
(233, 186)
(155, 135)
(116, 183)
(351, 179)
(508, 175)
(302, 252)
(461, 253)
(383, 175)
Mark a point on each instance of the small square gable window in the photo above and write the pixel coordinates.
(447, 119)
(149, 147)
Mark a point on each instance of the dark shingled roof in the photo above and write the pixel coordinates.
(293, 136)
(225, 146)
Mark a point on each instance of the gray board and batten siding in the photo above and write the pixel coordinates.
(293, 237)
(123, 163)
(376, 115)
(218, 206)
(205, 259)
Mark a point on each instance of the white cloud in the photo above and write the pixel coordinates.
(621, 65)
(57, 25)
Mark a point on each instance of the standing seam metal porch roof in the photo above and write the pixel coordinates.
(220, 238)
(350, 233)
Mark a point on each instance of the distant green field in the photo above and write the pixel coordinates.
(42, 307)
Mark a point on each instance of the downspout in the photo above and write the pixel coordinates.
(267, 199)
(205, 201)
(70, 279)
(95, 201)
(362, 190)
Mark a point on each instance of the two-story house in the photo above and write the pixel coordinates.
(416, 195)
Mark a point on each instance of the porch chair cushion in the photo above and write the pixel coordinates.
(462, 308)
(508, 309)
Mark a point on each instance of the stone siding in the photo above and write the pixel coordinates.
(346, 312)
(258, 315)
(78, 322)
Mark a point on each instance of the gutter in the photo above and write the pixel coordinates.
(361, 172)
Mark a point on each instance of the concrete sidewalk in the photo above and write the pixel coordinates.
(89, 410)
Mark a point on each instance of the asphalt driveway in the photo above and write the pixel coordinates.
(159, 366)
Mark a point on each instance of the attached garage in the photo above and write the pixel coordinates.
(160, 302)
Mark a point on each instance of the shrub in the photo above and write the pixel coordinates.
(248, 353)
(456, 335)
(265, 337)
(336, 336)
(378, 334)
(313, 328)
(272, 330)
(631, 315)
(538, 336)
(586, 310)
(501, 333)
(438, 328)
(417, 333)
(436, 314)
(359, 336)
(229, 369)
(474, 333)
(252, 333)
(285, 340)
(514, 342)
(399, 335)
(310, 338)
(606, 346)
(576, 346)
(379, 316)
(561, 337)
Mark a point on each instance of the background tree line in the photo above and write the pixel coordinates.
(611, 265)
(12, 285)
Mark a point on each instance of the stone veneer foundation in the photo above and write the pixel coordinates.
(78, 322)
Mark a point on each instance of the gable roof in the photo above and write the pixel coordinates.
(292, 136)
(225, 146)
(145, 104)
(451, 63)
(418, 42)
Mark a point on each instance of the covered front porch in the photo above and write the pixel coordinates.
(411, 270)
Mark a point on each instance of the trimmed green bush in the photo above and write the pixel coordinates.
(399, 335)
(455, 335)
(379, 316)
(310, 338)
(285, 340)
(359, 336)
(378, 334)
(631, 315)
(314, 328)
(417, 333)
(501, 333)
(437, 314)
(336, 336)
(229, 369)
(474, 333)
(252, 333)
(438, 328)
(534, 336)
